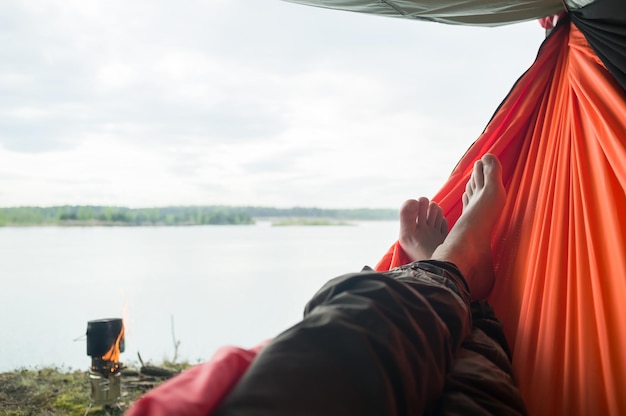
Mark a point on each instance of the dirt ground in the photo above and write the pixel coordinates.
(52, 392)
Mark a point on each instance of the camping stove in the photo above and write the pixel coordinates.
(105, 342)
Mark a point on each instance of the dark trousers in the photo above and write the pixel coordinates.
(403, 342)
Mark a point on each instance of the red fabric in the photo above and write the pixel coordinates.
(549, 22)
(560, 246)
(199, 390)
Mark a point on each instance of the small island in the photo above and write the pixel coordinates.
(308, 222)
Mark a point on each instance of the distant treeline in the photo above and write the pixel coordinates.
(193, 215)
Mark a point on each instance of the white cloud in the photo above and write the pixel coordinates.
(115, 75)
(236, 102)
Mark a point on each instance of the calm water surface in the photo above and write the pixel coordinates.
(222, 285)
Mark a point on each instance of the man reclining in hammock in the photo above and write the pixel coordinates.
(409, 341)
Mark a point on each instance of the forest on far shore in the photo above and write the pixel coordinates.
(86, 215)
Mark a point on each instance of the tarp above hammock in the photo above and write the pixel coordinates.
(465, 12)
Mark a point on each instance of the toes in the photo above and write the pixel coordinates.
(469, 187)
(435, 215)
(492, 167)
(490, 160)
(465, 199)
(422, 213)
(408, 214)
(478, 174)
(476, 180)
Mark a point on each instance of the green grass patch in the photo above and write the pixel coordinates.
(59, 392)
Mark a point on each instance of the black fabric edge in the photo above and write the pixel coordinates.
(603, 23)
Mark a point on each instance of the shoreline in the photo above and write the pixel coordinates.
(274, 221)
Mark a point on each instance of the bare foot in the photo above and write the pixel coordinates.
(422, 228)
(469, 243)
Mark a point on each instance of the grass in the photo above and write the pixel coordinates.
(56, 392)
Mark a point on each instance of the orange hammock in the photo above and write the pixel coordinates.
(560, 247)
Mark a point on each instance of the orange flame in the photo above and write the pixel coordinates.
(114, 353)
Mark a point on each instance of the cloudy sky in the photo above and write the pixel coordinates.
(240, 102)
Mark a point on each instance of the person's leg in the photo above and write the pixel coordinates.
(422, 228)
(481, 381)
(369, 343)
(468, 245)
(484, 352)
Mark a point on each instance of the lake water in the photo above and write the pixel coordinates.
(221, 285)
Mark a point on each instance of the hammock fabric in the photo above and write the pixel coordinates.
(560, 246)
